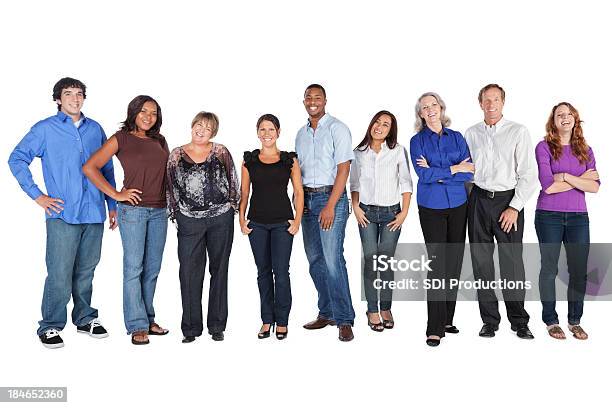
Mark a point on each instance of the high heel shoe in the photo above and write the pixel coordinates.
(377, 327)
(265, 334)
(282, 335)
(388, 324)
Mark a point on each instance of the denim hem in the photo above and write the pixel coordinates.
(551, 323)
(573, 323)
(341, 323)
(40, 331)
(146, 329)
(372, 310)
(212, 331)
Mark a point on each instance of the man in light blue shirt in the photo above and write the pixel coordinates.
(324, 153)
(74, 207)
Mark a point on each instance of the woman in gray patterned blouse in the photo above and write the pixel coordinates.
(203, 193)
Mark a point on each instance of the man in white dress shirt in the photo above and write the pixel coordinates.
(504, 179)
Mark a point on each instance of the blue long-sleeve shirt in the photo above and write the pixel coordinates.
(63, 149)
(437, 188)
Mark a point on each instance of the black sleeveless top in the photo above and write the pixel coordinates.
(269, 203)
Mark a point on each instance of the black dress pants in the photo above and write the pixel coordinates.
(196, 238)
(484, 211)
(444, 233)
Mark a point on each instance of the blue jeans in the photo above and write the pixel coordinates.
(143, 236)
(325, 254)
(73, 252)
(378, 239)
(271, 245)
(553, 228)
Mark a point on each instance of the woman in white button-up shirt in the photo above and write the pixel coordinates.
(380, 176)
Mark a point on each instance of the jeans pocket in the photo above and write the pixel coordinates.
(128, 214)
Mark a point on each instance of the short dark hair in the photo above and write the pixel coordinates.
(316, 86)
(64, 83)
(491, 86)
(134, 107)
(270, 118)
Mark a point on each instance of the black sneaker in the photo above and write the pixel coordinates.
(94, 329)
(51, 339)
(218, 336)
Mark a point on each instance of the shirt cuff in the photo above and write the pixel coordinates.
(34, 193)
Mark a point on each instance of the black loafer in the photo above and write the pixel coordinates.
(433, 342)
(451, 329)
(488, 330)
(218, 336)
(522, 332)
(188, 339)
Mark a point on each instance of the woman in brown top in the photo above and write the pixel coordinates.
(143, 153)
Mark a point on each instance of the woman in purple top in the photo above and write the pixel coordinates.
(566, 167)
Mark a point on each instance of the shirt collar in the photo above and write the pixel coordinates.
(322, 121)
(63, 117)
(496, 126)
(430, 132)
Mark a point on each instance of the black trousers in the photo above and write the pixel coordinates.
(196, 238)
(483, 226)
(444, 233)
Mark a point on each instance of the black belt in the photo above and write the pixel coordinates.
(492, 194)
(380, 207)
(322, 189)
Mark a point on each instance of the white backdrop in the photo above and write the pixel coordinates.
(243, 59)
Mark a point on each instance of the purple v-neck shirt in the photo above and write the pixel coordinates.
(567, 201)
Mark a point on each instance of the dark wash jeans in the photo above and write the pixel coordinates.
(378, 239)
(198, 237)
(325, 253)
(73, 252)
(271, 245)
(571, 229)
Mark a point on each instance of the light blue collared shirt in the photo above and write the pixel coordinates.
(63, 149)
(320, 150)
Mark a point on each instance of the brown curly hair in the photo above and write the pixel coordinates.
(580, 149)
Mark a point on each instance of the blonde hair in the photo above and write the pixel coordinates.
(209, 117)
(419, 123)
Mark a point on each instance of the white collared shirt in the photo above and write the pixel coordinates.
(504, 159)
(380, 178)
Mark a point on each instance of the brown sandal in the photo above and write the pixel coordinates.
(556, 332)
(578, 332)
(140, 338)
(156, 330)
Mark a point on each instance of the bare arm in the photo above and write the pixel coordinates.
(245, 191)
(298, 197)
(92, 167)
(586, 184)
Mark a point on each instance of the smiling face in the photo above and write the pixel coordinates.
(564, 119)
(314, 102)
(71, 102)
(267, 133)
(202, 132)
(147, 117)
(492, 105)
(380, 128)
(430, 111)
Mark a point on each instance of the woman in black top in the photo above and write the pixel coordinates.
(270, 223)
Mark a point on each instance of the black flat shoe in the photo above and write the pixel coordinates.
(433, 342)
(188, 339)
(377, 327)
(488, 330)
(522, 332)
(265, 334)
(282, 335)
(218, 336)
(451, 329)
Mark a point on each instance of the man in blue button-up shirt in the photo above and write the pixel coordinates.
(75, 209)
(324, 153)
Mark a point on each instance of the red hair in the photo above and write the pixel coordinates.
(580, 149)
